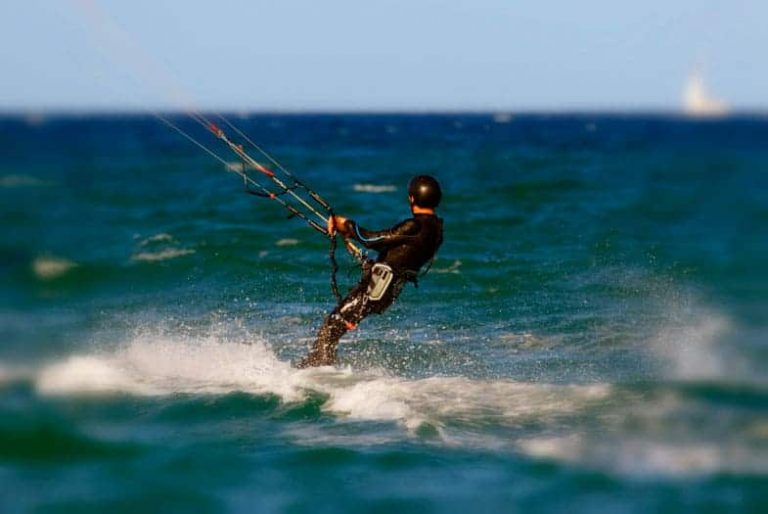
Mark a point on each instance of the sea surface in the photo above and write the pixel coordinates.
(591, 338)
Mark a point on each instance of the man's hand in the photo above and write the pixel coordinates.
(337, 223)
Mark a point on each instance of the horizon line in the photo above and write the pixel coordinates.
(129, 111)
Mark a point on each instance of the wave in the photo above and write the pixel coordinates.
(160, 365)
(671, 428)
(645, 456)
(152, 365)
(159, 247)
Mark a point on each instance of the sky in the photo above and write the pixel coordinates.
(382, 55)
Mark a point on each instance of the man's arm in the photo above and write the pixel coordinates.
(377, 239)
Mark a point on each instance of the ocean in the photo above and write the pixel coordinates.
(591, 337)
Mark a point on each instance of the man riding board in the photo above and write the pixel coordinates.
(402, 251)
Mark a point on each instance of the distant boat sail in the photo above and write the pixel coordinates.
(697, 101)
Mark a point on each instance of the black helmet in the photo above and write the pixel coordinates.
(425, 191)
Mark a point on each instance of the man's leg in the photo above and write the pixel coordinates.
(343, 318)
(346, 316)
(323, 352)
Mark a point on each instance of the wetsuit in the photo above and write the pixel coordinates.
(404, 249)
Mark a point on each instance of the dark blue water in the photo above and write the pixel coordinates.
(591, 338)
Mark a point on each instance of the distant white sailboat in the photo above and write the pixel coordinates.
(502, 117)
(697, 101)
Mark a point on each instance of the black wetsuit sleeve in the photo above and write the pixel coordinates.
(402, 233)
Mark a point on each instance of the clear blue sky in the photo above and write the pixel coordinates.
(378, 55)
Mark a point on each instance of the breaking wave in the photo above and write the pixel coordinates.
(621, 429)
(162, 365)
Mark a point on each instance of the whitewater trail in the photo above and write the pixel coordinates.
(150, 366)
(598, 425)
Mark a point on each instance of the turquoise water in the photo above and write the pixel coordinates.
(591, 338)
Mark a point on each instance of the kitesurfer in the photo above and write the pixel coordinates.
(402, 251)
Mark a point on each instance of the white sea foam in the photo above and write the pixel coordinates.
(90, 374)
(49, 267)
(374, 188)
(163, 237)
(459, 400)
(462, 411)
(373, 399)
(695, 350)
(161, 365)
(287, 242)
(162, 255)
(159, 247)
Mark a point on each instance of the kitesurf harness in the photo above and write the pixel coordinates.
(309, 206)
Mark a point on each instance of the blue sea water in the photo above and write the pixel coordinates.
(591, 338)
